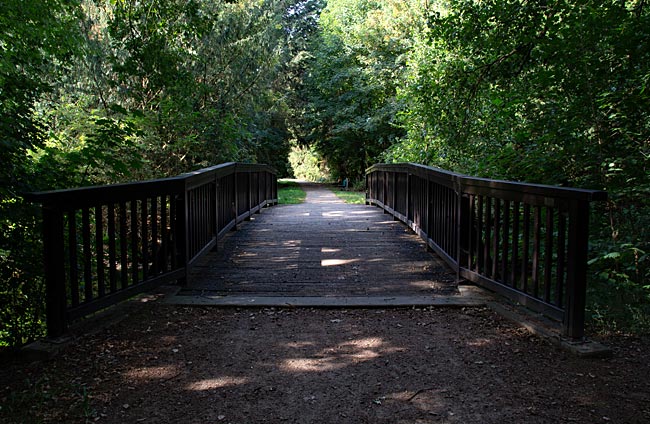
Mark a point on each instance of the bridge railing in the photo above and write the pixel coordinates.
(525, 241)
(104, 244)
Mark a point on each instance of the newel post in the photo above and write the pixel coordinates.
(54, 262)
(367, 187)
(576, 285)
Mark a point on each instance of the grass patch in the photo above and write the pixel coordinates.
(290, 193)
(353, 197)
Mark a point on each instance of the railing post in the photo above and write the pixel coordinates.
(367, 187)
(54, 261)
(576, 285)
(274, 189)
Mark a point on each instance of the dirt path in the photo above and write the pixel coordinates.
(171, 364)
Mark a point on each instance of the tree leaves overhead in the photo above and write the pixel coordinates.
(351, 85)
(103, 91)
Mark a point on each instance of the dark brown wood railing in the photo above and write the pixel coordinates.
(107, 243)
(525, 241)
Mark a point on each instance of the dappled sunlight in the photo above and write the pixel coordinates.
(337, 262)
(329, 250)
(145, 374)
(334, 214)
(292, 243)
(427, 399)
(421, 284)
(340, 356)
(217, 383)
(480, 342)
(300, 345)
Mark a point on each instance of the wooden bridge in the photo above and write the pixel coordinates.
(322, 252)
(526, 242)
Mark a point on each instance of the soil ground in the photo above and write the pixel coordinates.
(174, 364)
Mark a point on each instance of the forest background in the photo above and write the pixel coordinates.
(546, 91)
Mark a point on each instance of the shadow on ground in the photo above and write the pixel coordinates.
(171, 364)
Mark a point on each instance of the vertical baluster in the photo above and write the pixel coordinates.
(548, 255)
(72, 258)
(495, 237)
(154, 236)
(440, 212)
(433, 214)
(515, 244)
(124, 247)
(199, 218)
(394, 193)
(453, 213)
(488, 237)
(479, 236)
(536, 247)
(207, 213)
(88, 259)
(447, 220)
(99, 248)
(250, 195)
(561, 258)
(525, 248)
(456, 198)
(505, 246)
(135, 251)
(112, 254)
(164, 232)
(144, 230)
(470, 232)
(174, 230)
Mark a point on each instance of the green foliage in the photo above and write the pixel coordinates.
(352, 197)
(21, 281)
(37, 39)
(290, 193)
(307, 164)
(552, 92)
(351, 82)
(99, 91)
(102, 91)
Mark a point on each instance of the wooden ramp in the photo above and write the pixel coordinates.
(324, 253)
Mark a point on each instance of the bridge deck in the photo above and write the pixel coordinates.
(321, 249)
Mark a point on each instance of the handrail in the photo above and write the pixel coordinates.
(104, 244)
(525, 241)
